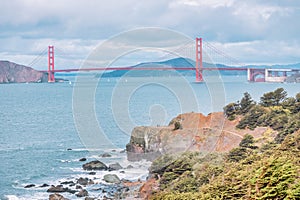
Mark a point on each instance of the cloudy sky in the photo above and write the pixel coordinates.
(253, 31)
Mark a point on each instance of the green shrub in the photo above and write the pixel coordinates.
(177, 125)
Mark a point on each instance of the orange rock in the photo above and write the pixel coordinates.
(150, 185)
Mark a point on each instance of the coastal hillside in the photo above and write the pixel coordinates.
(187, 63)
(175, 62)
(14, 73)
(190, 132)
(263, 164)
(269, 172)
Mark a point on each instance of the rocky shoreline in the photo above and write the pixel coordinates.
(14, 73)
(101, 182)
(189, 132)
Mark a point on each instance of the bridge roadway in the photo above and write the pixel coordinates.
(147, 68)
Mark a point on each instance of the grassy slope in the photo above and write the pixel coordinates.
(271, 171)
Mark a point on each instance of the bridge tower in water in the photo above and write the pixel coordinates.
(199, 60)
(51, 77)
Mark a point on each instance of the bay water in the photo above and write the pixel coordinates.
(39, 142)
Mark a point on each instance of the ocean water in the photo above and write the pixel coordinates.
(38, 123)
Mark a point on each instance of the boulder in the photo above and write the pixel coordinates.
(123, 151)
(114, 166)
(112, 178)
(85, 181)
(82, 181)
(72, 184)
(71, 191)
(92, 173)
(129, 167)
(82, 193)
(56, 197)
(95, 165)
(89, 198)
(67, 182)
(105, 155)
(78, 187)
(44, 185)
(82, 159)
(58, 188)
(29, 186)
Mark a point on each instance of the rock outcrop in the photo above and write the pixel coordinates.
(111, 178)
(82, 193)
(95, 165)
(115, 166)
(57, 197)
(14, 73)
(195, 133)
(58, 188)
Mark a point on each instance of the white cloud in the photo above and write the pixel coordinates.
(262, 52)
(211, 3)
(27, 26)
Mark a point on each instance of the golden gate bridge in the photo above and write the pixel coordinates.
(253, 74)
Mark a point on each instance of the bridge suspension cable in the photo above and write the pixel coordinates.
(38, 58)
(218, 56)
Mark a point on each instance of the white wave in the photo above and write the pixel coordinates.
(65, 161)
(11, 197)
(85, 149)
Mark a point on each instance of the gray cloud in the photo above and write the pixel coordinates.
(257, 25)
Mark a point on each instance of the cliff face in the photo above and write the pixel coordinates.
(14, 73)
(197, 133)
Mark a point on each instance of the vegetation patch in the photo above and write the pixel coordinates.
(271, 171)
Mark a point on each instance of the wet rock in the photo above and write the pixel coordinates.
(29, 186)
(123, 151)
(82, 159)
(72, 184)
(66, 182)
(105, 155)
(92, 173)
(58, 188)
(82, 193)
(95, 165)
(89, 198)
(114, 166)
(85, 181)
(69, 149)
(112, 178)
(107, 198)
(78, 187)
(71, 191)
(129, 167)
(56, 197)
(113, 150)
(82, 181)
(44, 185)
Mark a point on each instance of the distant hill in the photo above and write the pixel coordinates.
(183, 62)
(14, 73)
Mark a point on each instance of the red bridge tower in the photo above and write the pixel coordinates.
(51, 78)
(199, 62)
